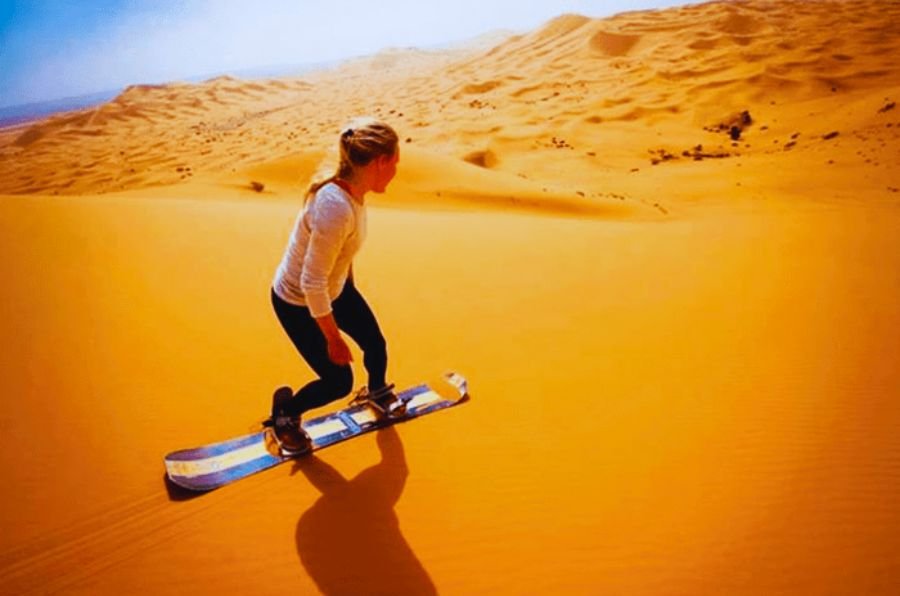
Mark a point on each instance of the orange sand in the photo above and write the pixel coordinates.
(685, 376)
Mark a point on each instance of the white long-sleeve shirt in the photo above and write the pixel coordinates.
(327, 234)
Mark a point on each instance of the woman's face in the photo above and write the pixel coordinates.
(385, 170)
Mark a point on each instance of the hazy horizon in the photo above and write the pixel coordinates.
(50, 50)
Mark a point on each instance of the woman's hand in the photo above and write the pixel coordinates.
(339, 351)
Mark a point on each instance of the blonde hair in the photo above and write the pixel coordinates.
(362, 140)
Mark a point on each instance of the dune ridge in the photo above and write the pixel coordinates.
(576, 94)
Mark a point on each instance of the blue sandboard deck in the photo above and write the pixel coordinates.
(218, 464)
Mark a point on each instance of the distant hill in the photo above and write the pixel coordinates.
(12, 115)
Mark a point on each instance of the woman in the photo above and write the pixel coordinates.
(313, 292)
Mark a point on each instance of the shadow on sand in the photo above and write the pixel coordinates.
(177, 493)
(349, 541)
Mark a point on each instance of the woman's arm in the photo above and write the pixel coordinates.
(331, 223)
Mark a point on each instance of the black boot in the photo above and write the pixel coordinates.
(287, 429)
(386, 401)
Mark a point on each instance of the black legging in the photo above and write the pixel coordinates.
(354, 317)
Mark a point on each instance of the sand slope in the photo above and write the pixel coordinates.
(681, 345)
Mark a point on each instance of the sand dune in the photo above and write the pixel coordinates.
(594, 84)
(663, 247)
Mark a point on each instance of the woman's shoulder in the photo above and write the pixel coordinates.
(331, 193)
(331, 203)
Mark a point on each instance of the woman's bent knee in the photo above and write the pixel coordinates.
(341, 381)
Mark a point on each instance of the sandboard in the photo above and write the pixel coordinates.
(215, 465)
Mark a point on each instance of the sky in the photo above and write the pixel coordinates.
(51, 49)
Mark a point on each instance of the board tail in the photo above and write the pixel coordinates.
(459, 382)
